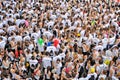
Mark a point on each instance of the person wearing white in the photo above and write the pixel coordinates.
(46, 61)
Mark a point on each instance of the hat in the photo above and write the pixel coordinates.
(49, 43)
(92, 70)
(107, 61)
(27, 64)
(78, 34)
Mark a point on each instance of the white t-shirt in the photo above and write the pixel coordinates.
(46, 62)
(80, 42)
(56, 57)
(58, 71)
(112, 40)
(89, 75)
(69, 22)
(95, 40)
(11, 19)
(77, 22)
(34, 62)
(82, 33)
(35, 35)
(4, 38)
(100, 68)
(26, 38)
(1, 25)
(2, 44)
(105, 42)
(64, 22)
(48, 34)
(114, 78)
(102, 76)
(16, 14)
(11, 28)
(99, 47)
(83, 79)
(53, 17)
(30, 47)
(18, 38)
(1, 31)
(62, 55)
(17, 22)
(51, 23)
(53, 48)
(108, 53)
(28, 56)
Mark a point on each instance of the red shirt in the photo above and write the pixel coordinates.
(16, 54)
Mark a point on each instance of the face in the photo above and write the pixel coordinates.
(58, 61)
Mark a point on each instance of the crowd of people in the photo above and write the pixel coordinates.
(59, 40)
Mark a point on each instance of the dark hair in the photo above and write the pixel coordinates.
(17, 17)
(66, 43)
(32, 58)
(51, 52)
(48, 69)
(101, 61)
(47, 53)
(114, 59)
(36, 50)
(66, 51)
(92, 77)
(60, 51)
(92, 62)
(61, 28)
(54, 32)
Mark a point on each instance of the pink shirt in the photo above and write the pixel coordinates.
(26, 23)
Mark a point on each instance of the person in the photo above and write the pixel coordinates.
(48, 73)
(59, 39)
